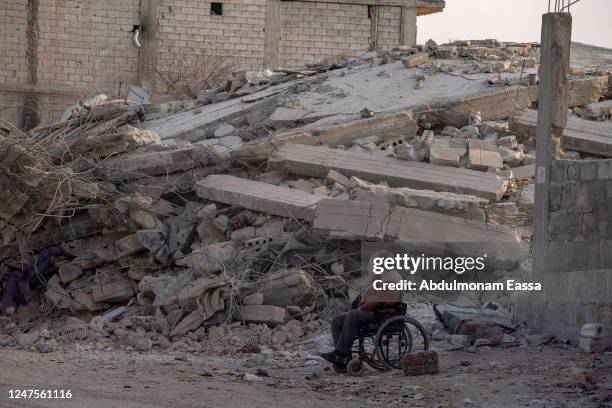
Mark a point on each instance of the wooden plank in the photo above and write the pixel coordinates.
(258, 196)
(582, 135)
(316, 161)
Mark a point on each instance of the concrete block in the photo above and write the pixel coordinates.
(266, 314)
(593, 330)
(592, 345)
(447, 52)
(443, 152)
(421, 363)
(335, 177)
(415, 60)
(110, 286)
(483, 155)
(69, 272)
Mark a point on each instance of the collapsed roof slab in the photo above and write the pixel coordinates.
(316, 161)
(257, 196)
(582, 135)
(419, 230)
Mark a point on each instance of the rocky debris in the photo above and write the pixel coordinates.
(174, 243)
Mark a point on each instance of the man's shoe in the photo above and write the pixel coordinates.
(336, 358)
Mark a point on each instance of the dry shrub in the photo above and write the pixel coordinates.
(203, 68)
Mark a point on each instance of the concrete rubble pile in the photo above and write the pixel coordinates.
(236, 213)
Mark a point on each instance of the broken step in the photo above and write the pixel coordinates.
(257, 196)
(316, 161)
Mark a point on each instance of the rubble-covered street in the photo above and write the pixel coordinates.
(542, 376)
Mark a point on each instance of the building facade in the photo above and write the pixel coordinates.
(57, 51)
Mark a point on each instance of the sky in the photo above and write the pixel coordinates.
(514, 20)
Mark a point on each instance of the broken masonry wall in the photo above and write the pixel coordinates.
(389, 27)
(73, 49)
(190, 29)
(314, 30)
(13, 62)
(577, 283)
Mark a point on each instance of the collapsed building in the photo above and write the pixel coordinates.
(57, 51)
(249, 201)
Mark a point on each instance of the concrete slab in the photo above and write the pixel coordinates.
(580, 134)
(446, 153)
(524, 172)
(316, 161)
(138, 165)
(420, 230)
(257, 196)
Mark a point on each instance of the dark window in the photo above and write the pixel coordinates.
(370, 11)
(216, 9)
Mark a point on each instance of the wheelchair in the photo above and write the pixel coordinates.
(383, 343)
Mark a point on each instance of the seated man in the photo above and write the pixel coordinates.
(345, 327)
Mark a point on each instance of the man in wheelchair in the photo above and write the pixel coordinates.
(373, 306)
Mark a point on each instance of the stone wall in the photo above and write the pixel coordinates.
(310, 30)
(580, 215)
(577, 280)
(313, 30)
(189, 31)
(13, 63)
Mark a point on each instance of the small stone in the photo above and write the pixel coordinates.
(27, 339)
(205, 372)
(252, 378)
(222, 223)
(46, 346)
(144, 344)
(96, 324)
(337, 268)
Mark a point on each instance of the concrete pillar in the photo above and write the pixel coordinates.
(30, 116)
(552, 118)
(409, 25)
(272, 34)
(373, 12)
(148, 42)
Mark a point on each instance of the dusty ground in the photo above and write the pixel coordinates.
(514, 377)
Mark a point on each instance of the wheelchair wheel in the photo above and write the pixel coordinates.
(397, 337)
(366, 350)
(355, 367)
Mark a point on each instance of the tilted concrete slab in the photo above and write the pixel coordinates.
(581, 135)
(379, 221)
(316, 161)
(420, 231)
(258, 196)
(138, 165)
(344, 133)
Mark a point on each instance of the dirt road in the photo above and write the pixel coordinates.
(506, 378)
